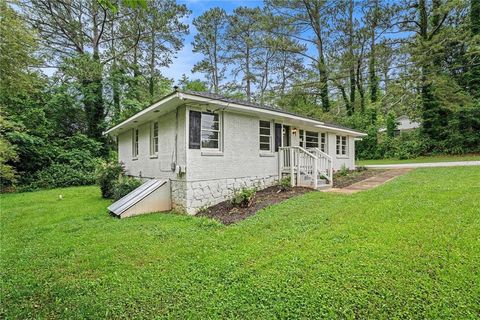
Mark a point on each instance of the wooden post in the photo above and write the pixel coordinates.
(280, 155)
(292, 176)
(298, 166)
(315, 172)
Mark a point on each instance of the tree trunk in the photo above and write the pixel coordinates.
(351, 62)
(474, 79)
(372, 62)
(430, 107)
(247, 73)
(151, 80)
(359, 82)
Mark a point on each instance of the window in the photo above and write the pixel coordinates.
(210, 130)
(323, 142)
(311, 139)
(154, 139)
(341, 145)
(135, 142)
(265, 131)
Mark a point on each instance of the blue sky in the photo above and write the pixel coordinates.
(186, 59)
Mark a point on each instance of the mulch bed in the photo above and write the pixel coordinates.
(226, 213)
(352, 177)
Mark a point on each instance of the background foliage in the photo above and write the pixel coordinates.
(70, 70)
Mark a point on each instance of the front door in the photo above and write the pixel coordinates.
(282, 136)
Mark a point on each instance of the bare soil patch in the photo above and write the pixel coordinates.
(226, 213)
(354, 176)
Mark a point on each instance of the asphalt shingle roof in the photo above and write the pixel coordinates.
(214, 96)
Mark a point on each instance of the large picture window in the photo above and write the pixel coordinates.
(265, 131)
(341, 145)
(154, 139)
(135, 142)
(210, 130)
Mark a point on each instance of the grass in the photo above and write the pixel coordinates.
(407, 249)
(439, 158)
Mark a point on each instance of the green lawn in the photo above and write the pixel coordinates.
(440, 158)
(407, 249)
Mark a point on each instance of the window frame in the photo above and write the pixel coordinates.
(309, 135)
(219, 131)
(323, 142)
(153, 143)
(135, 144)
(341, 149)
(270, 136)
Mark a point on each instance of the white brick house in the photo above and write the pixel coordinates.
(207, 147)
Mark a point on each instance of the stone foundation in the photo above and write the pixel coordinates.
(201, 194)
(178, 190)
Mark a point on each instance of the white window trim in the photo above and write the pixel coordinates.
(337, 148)
(325, 144)
(212, 151)
(268, 152)
(153, 153)
(135, 143)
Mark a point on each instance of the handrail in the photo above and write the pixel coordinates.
(299, 163)
(302, 149)
(322, 153)
(327, 172)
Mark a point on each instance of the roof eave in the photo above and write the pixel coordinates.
(169, 97)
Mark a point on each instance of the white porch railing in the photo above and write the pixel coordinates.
(304, 166)
(325, 165)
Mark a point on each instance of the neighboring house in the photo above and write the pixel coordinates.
(404, 123)
(207, 147)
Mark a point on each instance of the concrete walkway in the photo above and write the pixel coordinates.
(424, 165)
(371, 182)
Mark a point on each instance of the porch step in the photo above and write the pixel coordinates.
(322, 184)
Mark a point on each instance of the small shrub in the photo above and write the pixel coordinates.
(285, 184)
(244, 198)
(124, 185)
(343, 170)
(108, 174)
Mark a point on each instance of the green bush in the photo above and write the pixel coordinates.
(285, 184)
(60, 175)
(108, 173)
(124, 185)
(343, 171)
(244, 198)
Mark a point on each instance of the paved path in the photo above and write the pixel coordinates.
(371, 182)
(424, 165)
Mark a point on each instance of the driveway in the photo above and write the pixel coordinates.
(424, 165)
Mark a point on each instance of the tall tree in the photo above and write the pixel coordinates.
(209, 41)
(241, 41)
(474, 76)
(308, 20)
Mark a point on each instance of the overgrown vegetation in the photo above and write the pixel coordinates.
(114, 184)
(124, 185)
(407, 249)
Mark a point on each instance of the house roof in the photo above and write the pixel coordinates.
(228, 103)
